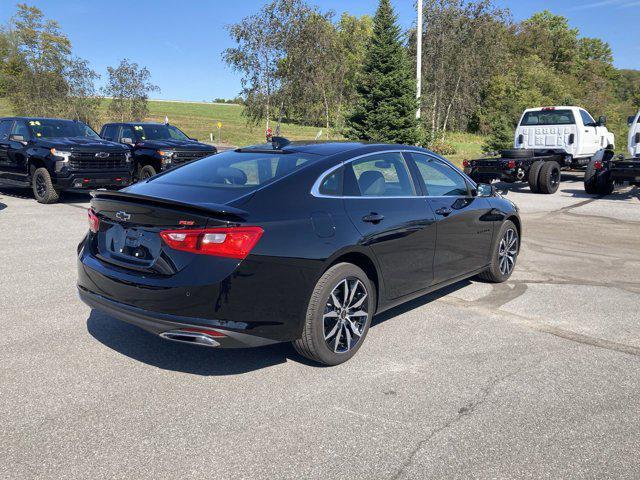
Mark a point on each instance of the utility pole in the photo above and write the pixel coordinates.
(419, 59)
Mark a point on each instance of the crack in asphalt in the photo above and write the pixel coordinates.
(466, 410)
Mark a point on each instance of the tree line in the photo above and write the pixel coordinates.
(40, 76)
(480, 70)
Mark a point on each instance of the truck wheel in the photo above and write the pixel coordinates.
(604, 184)
(590, 178)
(549, 179)
(146, 172)
(534, 174)
(518, 153)
(43, 189)
(339, 315)
(503, 255)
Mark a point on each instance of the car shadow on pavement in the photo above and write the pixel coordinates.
(523, 187)
(144, 347)
(70, 196)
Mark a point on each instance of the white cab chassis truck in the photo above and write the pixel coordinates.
(606, 170)
(547, 140)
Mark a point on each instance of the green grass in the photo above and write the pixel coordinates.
(198, 120)
(468, 146)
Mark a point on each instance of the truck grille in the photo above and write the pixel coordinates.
(89, 161)
(187, 156)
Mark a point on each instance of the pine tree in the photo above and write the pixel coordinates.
(386, 106)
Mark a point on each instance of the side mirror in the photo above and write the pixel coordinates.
(127, 140)
(485, 190)
(630, 120)
(602, 120)
(16, 138)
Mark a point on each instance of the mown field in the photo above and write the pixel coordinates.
(199, 121)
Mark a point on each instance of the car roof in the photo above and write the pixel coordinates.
(38, 118)
(327, 148)
(135, 123)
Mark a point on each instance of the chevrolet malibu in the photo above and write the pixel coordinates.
(299, 242)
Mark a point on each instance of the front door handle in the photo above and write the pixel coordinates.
(373, 218)
(444, 211)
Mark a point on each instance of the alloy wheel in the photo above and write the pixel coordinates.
(41, 186)
(507, 251)
(345, 315)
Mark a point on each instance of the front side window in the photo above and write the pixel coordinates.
(238, 170)
(586, 118)
(440, 179)
(548, 117)
(60, 129)
(379, 175)
(5, 129)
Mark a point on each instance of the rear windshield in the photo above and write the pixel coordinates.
(548, 117)
(236, 170)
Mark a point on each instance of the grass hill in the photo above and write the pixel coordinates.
(198, 120)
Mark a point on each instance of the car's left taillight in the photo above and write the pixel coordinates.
(231, 242)
(94, 221)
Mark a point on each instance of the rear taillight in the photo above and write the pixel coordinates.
(94, 221)
(598, 165)
(511, 164)
(232, 242)
(465, 163)
(520, 139)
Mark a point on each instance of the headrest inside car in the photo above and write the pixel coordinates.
(372, 183)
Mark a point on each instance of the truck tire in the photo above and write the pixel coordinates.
(604, 184)
(534, 174)
(146, 172)
(43, 189)
(506, 244)
(549, 179)
(518, 153)
(590, 178)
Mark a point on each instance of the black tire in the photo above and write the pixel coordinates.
(549, 179)
(318, 332)
(518, 153)
(604, 183)
(495, 273)
(43, 189)
(534, 175)
(146, 172)
(590, 178)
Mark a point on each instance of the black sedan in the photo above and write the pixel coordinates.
(291, 241)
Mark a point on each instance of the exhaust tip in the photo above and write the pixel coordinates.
(194, 338)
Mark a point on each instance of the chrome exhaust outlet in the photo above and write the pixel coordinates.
(193, 338)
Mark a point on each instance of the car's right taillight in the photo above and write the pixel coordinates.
(231, 242)
(94, 221)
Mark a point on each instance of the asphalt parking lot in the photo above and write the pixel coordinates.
(535, 378)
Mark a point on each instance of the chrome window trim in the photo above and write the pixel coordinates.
(315, 189)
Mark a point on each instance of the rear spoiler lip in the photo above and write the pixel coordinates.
(206, 208)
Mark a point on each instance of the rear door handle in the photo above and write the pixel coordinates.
(373, 218)
(444, 211)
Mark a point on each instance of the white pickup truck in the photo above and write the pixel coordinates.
(634, 135)
(546, 140)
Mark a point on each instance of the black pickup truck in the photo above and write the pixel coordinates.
(52, 155)
(156, 146)
(606, 170)
(539, 168)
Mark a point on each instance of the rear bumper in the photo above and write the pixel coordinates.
(92, 180)
(159, 323)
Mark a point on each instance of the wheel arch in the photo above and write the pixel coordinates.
(518, 224)
(363, 261)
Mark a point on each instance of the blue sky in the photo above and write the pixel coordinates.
(181, 42)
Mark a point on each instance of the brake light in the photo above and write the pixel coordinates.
(545, 109)
(94, 221)
(231, 242)
(465, 163)
(511, 164)
(598, 165)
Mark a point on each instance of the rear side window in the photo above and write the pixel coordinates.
(238, 170)
(331, 185)
(548, 117)
(379, 175)
(440, 179)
